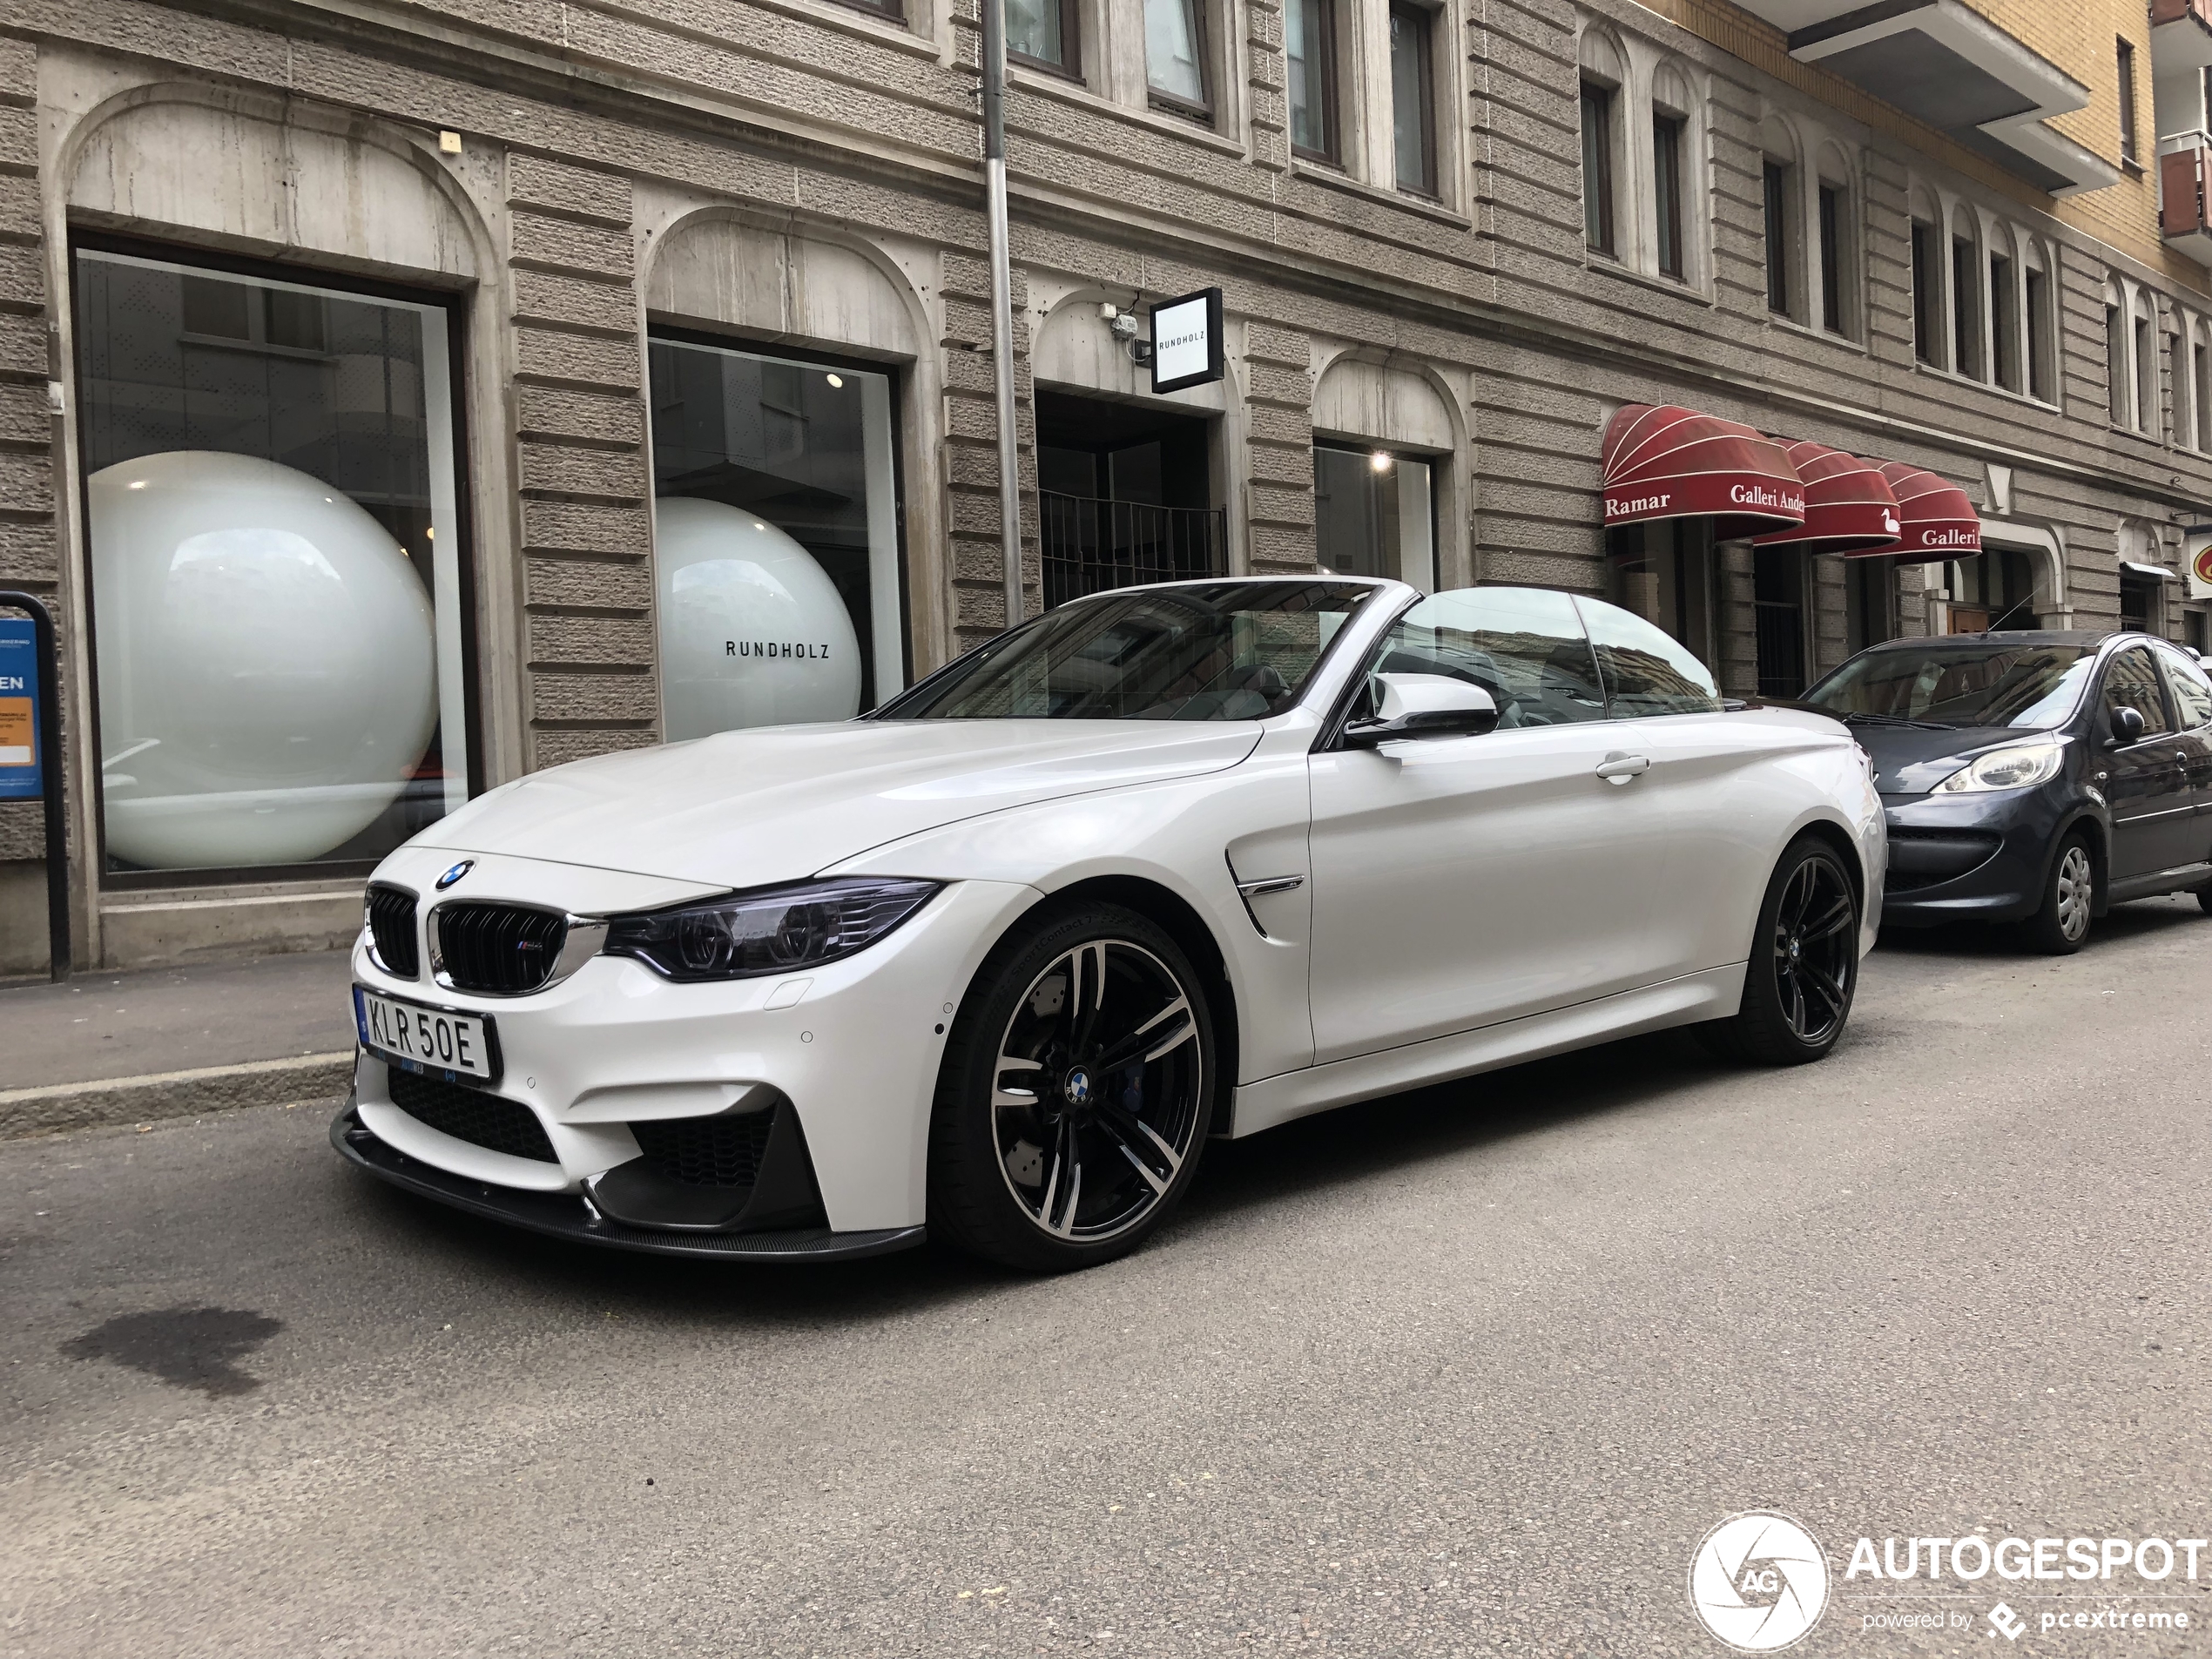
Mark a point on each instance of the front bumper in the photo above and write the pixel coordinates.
(568, 1216)
(1981, 858)
(852, 1046)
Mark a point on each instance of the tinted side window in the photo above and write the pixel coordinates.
(1523, 645)
(2132, 683)
(1646, 670)
(2192, 692)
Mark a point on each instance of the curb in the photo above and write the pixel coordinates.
(173, 1094)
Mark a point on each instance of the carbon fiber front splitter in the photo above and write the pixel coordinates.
(564, 1216)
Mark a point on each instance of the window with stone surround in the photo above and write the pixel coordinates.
(280, 591)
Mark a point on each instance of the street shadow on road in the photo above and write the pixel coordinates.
(1982, 941)
(1334, 1149)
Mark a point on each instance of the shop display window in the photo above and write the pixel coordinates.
(278, 592)
(775, 539)
(1663, 572)
(1374, 514)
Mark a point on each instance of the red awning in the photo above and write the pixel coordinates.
(1939, 521)
(1850, 507)
(1662, 462)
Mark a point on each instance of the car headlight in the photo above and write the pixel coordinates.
(2018, 768)
(773, 931)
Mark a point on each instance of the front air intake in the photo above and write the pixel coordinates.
(391, 932)
(470, 1115)
(706, 1151)
(495, 950)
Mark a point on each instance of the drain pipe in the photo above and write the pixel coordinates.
(1002, 298)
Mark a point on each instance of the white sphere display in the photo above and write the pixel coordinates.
(753, 632)
(267, 664)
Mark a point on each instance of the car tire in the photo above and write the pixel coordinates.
(2204, 900)
(1092, 992)
(2061, 921)
(1803, 970)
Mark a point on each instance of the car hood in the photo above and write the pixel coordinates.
(1909, 760)
(778, 804)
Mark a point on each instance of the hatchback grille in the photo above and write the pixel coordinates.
(391, 930)
(470, 1115)
(705, 1151)
(498, 949)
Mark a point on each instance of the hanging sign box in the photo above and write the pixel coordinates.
(2197, 545)
(19, 756)
(1186, 340)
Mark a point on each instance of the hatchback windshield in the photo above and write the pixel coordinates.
(2023, 685)
(1216, 650)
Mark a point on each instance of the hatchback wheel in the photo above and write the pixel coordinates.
(1804, 965)
(1072, 1099)
(2061, 922)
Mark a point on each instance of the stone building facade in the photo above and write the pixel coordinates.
(567, 207)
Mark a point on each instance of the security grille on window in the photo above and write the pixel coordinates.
(280, 599)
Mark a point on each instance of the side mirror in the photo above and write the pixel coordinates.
(2127, 726)
(1423, 705)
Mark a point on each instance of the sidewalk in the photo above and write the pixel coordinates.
(173, 1041)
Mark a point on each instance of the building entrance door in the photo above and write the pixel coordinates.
(1125, 494)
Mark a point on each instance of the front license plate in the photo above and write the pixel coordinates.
(426, 1040)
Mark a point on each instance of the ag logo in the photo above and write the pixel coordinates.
(1758, 1581)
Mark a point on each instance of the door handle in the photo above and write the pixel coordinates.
(1618, 768)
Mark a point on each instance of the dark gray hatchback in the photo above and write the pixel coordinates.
(2034, 778)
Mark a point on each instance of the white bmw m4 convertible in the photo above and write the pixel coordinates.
(1165, 864)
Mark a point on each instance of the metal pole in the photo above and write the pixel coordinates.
(1002, 298)
(50, 778)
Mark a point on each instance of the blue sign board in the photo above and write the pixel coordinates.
(19, 756)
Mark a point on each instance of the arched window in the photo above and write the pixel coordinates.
(1968, 318)
(1674, 173)
(2142, 343)
(1784, 203)
(2005, 341)
(2178, 378)
(1604, 82)
(1836, 238)
(2119, 398)
(1930, 305)
(2039, 320)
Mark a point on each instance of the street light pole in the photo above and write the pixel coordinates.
(1002, 298)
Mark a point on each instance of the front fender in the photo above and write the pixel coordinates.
(1179, 836)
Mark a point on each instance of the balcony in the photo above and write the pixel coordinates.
(1943, 63)
(2165, 11)
(2184, 162)
(1090, 545)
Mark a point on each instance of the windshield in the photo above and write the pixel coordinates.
(1216, 650)
(1992, 685)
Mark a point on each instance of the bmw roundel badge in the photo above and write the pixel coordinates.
(455, 873)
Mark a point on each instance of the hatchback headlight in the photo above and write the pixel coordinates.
(773, 931)
(2018, 768)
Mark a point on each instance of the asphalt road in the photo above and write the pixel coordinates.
(1466, 1370)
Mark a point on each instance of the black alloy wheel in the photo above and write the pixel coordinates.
(1804, 966)
(1073, 1102)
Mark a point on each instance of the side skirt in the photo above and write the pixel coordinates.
(1713, 995)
